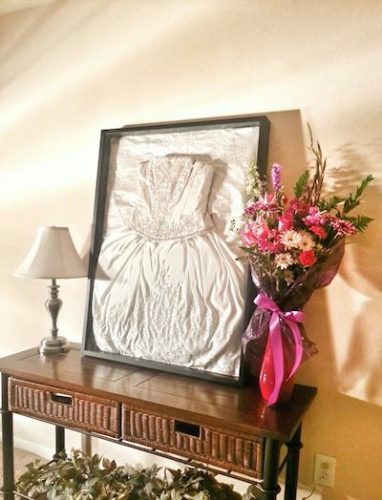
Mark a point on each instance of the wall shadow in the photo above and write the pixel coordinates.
(360, 376)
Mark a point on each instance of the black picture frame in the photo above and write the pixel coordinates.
(261, 127)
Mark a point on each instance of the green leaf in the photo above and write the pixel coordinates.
(301, 184)
(247, 250)
(352, 200)
(360, 222)
(330, 203)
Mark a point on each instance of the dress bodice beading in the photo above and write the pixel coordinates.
(173, 198)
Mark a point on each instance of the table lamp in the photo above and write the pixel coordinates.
(52, 256)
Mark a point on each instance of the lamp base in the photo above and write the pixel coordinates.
(49, 345)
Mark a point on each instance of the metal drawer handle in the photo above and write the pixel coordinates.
(186, 428)
(64, 399)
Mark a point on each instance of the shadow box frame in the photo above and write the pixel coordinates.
(89, 346)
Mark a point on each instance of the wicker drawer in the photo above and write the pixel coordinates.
(65, 407)
(206, 444)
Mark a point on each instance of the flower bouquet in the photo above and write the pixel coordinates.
(295, 246)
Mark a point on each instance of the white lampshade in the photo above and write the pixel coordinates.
(52, 255)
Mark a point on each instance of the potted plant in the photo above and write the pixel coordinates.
(83, 477)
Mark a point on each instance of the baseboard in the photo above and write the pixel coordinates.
(43, 451)
(303, 492)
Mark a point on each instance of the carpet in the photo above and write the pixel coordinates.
(21, 458)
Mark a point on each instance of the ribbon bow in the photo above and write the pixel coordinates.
(291, 318)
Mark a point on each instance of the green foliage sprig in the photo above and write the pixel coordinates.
(301, 184)
(309, 190)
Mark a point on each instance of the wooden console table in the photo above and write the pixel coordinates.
(192, 421)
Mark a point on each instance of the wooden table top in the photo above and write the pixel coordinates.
(203, 402)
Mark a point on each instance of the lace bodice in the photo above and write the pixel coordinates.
(169, 198)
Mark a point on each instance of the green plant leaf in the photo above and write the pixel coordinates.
(360, 222)
(247, 250)
(301, 184)
(352, 200)
(330, 203)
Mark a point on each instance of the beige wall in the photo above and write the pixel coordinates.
(70, 68)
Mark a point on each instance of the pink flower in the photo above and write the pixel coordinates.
(313, 218)
(259, 227)
(266, 203)
(263, 243)
(298, 207)
(319, 231)
(317, 218)
(269, 241)
(247, 236)
(252, 209)
(307, 258)
(286, 221)
(342, 227)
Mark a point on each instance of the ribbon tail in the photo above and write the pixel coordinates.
(278, 356)
(298, 346)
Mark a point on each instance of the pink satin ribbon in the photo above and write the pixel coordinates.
(291, 318)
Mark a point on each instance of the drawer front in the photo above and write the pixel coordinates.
(206, 444)
(65, 407)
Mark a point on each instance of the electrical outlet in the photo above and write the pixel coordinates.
(324, 469)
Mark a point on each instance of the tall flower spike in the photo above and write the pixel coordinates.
(276, 177)
(254, 184)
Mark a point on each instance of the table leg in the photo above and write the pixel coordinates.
(291, 477)
(270, 486)
(7, 427)
(60, 441)
(86, 444)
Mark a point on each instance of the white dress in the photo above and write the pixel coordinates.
(172, 290)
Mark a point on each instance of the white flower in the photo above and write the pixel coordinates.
(306, 241)
(284, 260)
(291, 239)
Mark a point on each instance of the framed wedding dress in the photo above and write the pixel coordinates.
(168, 284)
